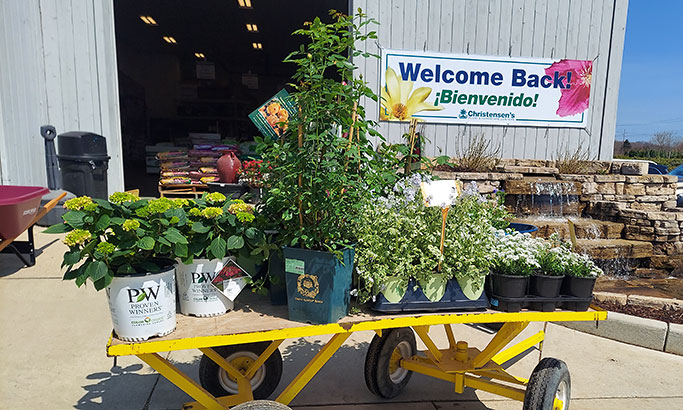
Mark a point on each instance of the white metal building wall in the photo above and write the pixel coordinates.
(58, 67)
(572, 29)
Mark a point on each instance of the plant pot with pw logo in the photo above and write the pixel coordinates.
(143, 305)
(198, 297)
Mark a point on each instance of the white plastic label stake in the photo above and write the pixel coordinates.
(440, 193)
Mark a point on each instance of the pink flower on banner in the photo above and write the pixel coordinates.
(578, 73)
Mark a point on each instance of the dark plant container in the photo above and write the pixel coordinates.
(318, 285)
(276, 279)
(578, 287)
(256, 194)
(232, 191)
(415, 300)
(545, 286)
(508, 286)
(523, 228)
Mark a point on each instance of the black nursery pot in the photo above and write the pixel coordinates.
(508, 286)
(545, 286)
(578, 287)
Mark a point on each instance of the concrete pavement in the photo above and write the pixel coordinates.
(52, 355)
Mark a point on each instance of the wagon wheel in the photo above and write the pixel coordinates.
(261, 405)
(219, 383)
(384, 375)
(549, 381)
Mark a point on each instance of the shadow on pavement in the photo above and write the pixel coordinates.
(11, 264)
(124, 388)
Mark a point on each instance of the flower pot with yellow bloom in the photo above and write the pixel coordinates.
(217, 229)
(127, 245)
(400, 102)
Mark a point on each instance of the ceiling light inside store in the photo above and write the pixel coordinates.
(252, 28)
(148, 20)
(257, 46)
(199, 55)
(169, 40)
(245, 4)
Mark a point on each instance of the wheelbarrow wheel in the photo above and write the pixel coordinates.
(261, 405)
(549, 380)
(384, 375)
(219, 383)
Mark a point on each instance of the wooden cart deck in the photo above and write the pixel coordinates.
(254, 319)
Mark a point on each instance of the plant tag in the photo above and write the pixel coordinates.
(231, 280)
(294, 266)
(440, 193)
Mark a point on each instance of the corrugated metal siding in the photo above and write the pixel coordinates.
(59, 68)
(574, 29)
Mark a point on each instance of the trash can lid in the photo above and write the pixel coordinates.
(81, 144)
(84, 157)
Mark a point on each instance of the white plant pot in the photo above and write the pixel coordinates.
(198, 297)
(143, 305)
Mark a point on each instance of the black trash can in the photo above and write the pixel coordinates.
(83, 163)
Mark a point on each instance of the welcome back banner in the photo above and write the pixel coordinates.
(469, 89)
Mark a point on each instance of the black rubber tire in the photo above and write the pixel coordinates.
(544, 383)
(261, 405)
(210, 373)
(377, 376)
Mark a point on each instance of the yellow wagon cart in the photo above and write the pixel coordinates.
(241, 360)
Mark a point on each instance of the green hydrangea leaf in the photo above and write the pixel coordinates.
(58, 228)
(175, 236)
(146, 243)
(103, 222)
(217, 248)
(74, 218)
(235, 242)
(200, 228)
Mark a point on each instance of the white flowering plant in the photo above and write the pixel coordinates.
(556, 258)
(520, 254)
(399, 238)
(515, 253)
(121, 236)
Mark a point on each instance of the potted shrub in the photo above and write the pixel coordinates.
(513, 262)
(322, 167)
(217, 229)
(399, 250)
(127, 246)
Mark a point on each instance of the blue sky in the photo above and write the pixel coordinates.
(651, 88)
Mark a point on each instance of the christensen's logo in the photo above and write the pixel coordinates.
(463, 114)
(308, 286)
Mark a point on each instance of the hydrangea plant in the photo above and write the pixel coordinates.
(121, 236)
(218, 226)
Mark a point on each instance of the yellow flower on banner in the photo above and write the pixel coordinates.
(397, 101)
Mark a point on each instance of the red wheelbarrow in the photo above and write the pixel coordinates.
(19, 211)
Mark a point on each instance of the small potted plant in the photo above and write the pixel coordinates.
(547, 280)
(127, 246)
(218, 229)
(251, 174)
(580, 276)
(514, 260)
